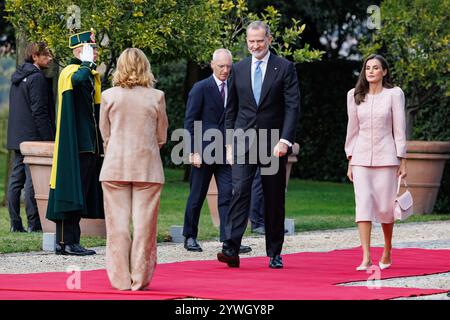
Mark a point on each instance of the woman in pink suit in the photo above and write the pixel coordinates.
(133, 124)
(376, 148)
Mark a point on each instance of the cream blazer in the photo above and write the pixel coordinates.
(376, 130)
(133, 124)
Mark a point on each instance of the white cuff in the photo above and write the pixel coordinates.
(286, 142)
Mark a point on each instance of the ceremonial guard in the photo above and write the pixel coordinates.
(75, 191)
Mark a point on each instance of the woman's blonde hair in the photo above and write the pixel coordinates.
(133, 69)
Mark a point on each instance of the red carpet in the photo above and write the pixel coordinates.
(308, 275)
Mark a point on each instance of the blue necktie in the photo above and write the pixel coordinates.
(257, 82)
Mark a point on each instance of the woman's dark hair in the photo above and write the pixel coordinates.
(37, 48)
(362, 85)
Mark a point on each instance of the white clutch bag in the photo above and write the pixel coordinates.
(403, 207)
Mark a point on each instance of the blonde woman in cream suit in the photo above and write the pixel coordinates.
(133, 124)
(376, 148)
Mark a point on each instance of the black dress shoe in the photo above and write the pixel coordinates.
(191, 244)
(16, 229)
(245, 249)
(72, 250)
(276, 262)
(88, 252)
(242, 249)
(31, 229)
(227, 257)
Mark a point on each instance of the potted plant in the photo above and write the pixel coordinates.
(38, 155)
(413, 36)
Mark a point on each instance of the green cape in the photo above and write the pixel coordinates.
(66, 192)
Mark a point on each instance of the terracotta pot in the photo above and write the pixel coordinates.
(39, 155)
(425, 165)
(212, 196)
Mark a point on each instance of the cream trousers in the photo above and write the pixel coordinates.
(130, 262)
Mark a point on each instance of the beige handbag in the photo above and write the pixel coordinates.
(403, 203)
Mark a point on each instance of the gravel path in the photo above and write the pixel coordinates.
(428, 235)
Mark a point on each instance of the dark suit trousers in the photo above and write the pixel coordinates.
(257, 202)
(274, 211)
(199, 183)
(68, 230)
(19, 179)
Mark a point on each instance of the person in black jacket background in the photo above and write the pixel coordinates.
(31, 118)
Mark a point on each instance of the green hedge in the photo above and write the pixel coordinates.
(170, 79)
(322, 125)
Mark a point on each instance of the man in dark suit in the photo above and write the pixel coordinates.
(263, 94)
(206, 106)
(31, 118)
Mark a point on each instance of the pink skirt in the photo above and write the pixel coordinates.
(375, 193)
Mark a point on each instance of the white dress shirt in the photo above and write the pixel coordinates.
(263, 66)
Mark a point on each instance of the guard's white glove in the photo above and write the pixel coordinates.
(87, 54)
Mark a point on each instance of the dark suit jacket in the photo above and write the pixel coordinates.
(279, 103)
(205, 104)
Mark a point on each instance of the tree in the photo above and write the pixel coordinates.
(7, 41)
(164, 30)
(334, 26)
(414, 38)
(234, 16)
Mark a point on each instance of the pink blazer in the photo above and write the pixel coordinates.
(376, 130)
(133, 124)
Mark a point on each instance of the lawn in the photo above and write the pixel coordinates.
(314, 206)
